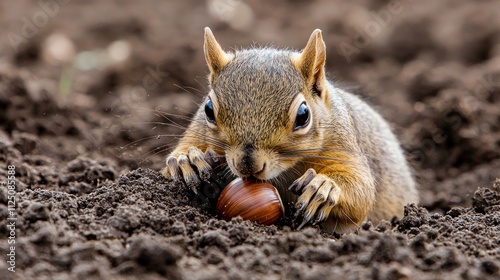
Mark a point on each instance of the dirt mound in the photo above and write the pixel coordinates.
(143, 225)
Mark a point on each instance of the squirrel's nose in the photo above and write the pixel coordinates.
(248, 162)
(249, 168)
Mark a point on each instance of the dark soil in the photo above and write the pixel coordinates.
(87, 143)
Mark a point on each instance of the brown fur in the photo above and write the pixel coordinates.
(355, 167)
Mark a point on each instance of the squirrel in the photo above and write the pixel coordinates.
(272, 115)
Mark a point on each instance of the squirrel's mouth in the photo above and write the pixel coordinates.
(260, 172)
(262, 175)
(257, 177)
(253, 163)
(265, 174)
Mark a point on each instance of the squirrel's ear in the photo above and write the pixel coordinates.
(311, 62)
(215, 56)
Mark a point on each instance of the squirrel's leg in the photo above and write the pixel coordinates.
(317, 192)
(189, 165)
(345, 198)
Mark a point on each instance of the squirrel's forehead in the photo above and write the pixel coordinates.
(257, 88)
(261, 63)
(268, 71)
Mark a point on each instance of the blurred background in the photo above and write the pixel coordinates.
(115, 80)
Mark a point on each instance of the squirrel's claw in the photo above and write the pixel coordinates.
(190, 168)
(188, 172)
(317, 197)
(171, 170)
(297, 187)
(326, 208)
(211, 157)
(197, 158)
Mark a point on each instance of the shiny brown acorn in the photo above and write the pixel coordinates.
(255, 201)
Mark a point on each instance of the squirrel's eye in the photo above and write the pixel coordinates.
(209, 111)
(303, 117)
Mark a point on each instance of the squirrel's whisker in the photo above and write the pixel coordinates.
(330, 149)
(131, 144)
(227, 171)
(316, 163)
(162, 124)
(153, 152)
(156, 151)
(345, 214)
(204, 139)
(321, 149)
(315, 157)
(161, 113)
(185, 88)
(203, 86)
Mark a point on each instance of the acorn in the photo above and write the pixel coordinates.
(255, 201)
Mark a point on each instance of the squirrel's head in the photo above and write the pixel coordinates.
(266, 107)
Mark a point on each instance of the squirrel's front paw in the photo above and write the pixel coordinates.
(318, 195)
(190, 167)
